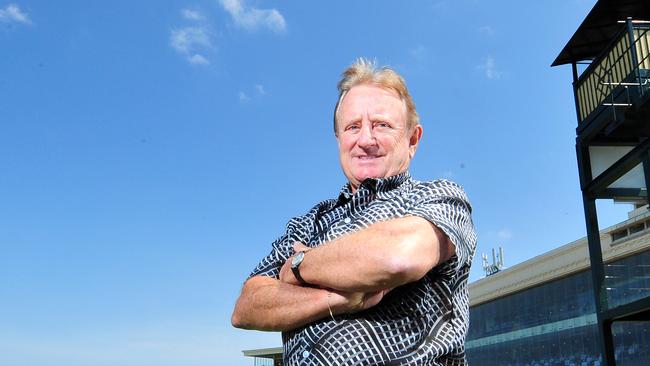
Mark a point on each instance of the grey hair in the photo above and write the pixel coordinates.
(363, 71)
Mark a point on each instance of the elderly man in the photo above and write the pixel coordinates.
(378, 275)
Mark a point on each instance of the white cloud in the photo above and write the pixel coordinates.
(185, 39)
(490, 69)
(258, 92)
(504, 234)
(192, 14)
(260, 89)
(487, 30)
(189, 42)
(12, 13)
(197, 59)
(253, 18)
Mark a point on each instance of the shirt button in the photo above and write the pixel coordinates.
(347, 220)
(305, 354)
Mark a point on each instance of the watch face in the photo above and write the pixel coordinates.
(295, 262)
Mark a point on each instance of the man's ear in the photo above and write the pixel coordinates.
(414, 139)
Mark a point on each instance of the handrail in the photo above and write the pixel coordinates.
(614, 74)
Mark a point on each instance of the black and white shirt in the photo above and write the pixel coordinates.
(420, 323)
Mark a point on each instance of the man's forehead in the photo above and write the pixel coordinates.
(374, 89)
(376, 98)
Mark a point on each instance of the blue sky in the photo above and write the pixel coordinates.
(151, 151)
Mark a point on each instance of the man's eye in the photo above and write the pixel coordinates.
(383, 124)
(352, 127)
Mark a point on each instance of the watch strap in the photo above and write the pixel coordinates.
(296, 270)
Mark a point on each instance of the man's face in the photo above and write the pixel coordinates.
(374, 140)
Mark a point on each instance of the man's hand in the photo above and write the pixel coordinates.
(286, 274)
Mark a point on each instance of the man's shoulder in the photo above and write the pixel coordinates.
(439, 188)
(324, 204)
(314, 211)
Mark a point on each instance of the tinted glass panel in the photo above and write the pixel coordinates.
(632, 343)
(555, 323)
(628, 279)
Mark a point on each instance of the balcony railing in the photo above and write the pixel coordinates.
(619, 77)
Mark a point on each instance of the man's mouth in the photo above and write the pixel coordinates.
(368, 157)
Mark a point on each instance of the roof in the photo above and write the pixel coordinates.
(600, 27)
(264, 352)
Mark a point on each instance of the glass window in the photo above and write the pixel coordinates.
(631, 342)
(637, 228)
(619, 234)
(628, 279)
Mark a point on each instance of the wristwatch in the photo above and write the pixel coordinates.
(295, 263)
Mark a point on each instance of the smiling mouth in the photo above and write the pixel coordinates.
(367, 157)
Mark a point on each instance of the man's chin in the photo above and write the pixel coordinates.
(374, 175)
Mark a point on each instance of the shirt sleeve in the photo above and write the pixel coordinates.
(282, 248)
(445, 204)
(271, 264)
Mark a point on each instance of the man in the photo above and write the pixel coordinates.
(377, 276)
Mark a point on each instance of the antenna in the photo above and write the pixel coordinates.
(497, 262)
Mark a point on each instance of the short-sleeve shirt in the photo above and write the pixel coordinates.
(420, 323)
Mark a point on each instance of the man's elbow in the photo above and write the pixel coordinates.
(246, 314)
(241, 313)
(402, 269)
(247, 319)
(238, 319)
(413, 262)
(418, 254)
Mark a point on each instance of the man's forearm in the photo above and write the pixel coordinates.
(385, 255)
(269, 304)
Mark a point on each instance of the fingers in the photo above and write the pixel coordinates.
(299, 247)
(286, 275)
(371, 299)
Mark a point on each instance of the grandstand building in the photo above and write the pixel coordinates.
(541, 311)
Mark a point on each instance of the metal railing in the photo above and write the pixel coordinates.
(617, 78)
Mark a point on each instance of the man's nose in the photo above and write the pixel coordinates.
(366, 135)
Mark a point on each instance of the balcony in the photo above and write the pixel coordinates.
(612, 95)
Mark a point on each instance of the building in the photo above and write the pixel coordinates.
(265, 356)
(541, 312)
(612, 99)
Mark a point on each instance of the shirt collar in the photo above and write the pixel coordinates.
(375, 186)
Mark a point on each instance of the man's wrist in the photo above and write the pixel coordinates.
(296, 261)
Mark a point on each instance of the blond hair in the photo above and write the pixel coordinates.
(363, 71)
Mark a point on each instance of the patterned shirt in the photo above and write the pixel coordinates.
(419, 323)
